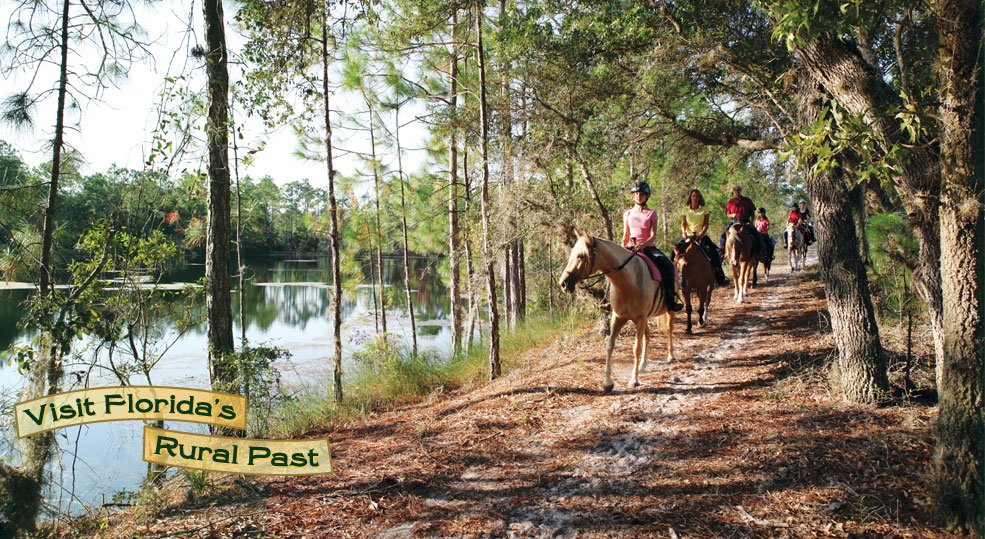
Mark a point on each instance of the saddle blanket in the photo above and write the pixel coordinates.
(654, 271)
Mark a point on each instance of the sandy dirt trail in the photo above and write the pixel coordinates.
(721, 442)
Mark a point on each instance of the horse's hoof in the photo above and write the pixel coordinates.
(634, 383)
(607, 387)
(670, 357)
(643, 365)
(688, 331)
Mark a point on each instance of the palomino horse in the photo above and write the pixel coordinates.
(796, 247)
(696, 276)
(738, 251)
(633, 294)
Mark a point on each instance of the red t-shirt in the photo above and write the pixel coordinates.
(763, 225)
(742, 207)
(795, 217)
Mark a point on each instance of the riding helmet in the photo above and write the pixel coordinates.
(802, 201)
(641, 187)
(762, 210)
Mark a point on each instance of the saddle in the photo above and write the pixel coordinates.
(652, 264)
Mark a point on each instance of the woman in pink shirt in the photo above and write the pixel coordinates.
(639, 225)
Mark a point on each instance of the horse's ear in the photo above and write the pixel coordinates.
(580, 234)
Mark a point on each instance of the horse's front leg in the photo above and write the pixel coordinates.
(744, 283)
(639, 352)
(615, 325)
(670, 336)
(688, 309)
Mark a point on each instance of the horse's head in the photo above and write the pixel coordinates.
(581, 262)
(681, 255)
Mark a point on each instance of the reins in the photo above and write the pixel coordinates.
(594, 253)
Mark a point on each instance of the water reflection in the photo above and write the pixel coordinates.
(286, 303)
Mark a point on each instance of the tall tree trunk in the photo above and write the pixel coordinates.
(217, 281)
(21, 489)
(506, 181)
(379, 228)
(333, 209)
(453, 243)
(957, 464)
(861, 89)
(495, 368)
(403, 223)
(471, 292)
(508, 284)
(240, 269)
(861, 361)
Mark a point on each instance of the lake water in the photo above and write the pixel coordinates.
(286, 303)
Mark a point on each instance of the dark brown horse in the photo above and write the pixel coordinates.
(697, 277)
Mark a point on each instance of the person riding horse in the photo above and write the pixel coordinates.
(740, 210)
(796, 218)
(639, 225)
(763, 227)
(809, 237)
(694, 226)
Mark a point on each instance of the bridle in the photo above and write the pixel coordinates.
(593, 254)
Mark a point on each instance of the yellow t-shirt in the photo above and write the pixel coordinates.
(695, 219)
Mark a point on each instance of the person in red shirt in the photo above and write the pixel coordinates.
(740, 209)
(797, 219)
(763, 227)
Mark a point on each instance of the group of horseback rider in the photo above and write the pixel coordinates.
(640, 231)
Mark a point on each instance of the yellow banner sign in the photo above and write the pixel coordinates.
(121, 403)
(237, 455)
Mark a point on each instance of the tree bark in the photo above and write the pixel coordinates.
(862, 90)
(21, 489)
(379, 228)
(333, 209)
(403, 223)
(861, 361)
(218, 303)
(495, 368)
(470, 291)
(453, 240)
(957, 463)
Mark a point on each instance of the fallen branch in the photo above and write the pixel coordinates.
(758, 521)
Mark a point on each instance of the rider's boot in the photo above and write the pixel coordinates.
(720, 278)
(673, 305)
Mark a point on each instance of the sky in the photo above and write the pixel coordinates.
(116, 128)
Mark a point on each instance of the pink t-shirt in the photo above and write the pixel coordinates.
(641, 224)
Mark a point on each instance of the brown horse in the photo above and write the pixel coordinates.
(696, 276)
(738, 251)
(767, 263)
(634, 296)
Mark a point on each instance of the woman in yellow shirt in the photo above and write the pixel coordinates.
(694, 224)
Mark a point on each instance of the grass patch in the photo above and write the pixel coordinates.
(386, 376)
